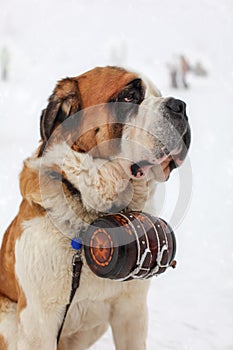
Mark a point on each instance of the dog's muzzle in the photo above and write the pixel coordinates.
(170, 134)
(177, 115)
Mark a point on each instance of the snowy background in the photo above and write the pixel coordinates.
(190, 308)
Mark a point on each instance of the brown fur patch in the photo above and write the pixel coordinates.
(30, 186)
(93, 88)
(29, 209)
(107, 81)
(22, 301)
(3, 345)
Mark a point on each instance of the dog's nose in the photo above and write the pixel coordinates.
(176, 106)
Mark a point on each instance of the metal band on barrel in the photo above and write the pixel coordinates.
(141, 258)
(161, 250)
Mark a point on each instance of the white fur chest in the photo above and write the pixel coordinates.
(44, 270)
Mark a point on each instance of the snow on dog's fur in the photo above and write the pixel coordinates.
(107, 138)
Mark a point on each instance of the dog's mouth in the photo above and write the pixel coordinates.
(140, 169)
(166, 159)
(163, 157)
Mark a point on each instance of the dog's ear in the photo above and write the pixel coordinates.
(64, 102)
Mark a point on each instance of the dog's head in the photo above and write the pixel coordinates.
(110, 112)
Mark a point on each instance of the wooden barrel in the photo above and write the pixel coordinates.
(130, 245)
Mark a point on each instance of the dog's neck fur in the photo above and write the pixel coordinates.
(66, 192)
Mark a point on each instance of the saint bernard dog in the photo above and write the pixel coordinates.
(107, 138)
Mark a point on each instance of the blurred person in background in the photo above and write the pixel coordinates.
(4, 60)
(178, 69)
(184, 68)
(199, 70)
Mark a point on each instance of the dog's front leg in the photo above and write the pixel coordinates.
(37, 329)
(129, 320)
(44, 279)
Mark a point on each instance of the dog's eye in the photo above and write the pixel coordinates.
(129, 98)
(132, 93)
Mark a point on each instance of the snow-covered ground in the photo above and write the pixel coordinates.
(191, 307)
